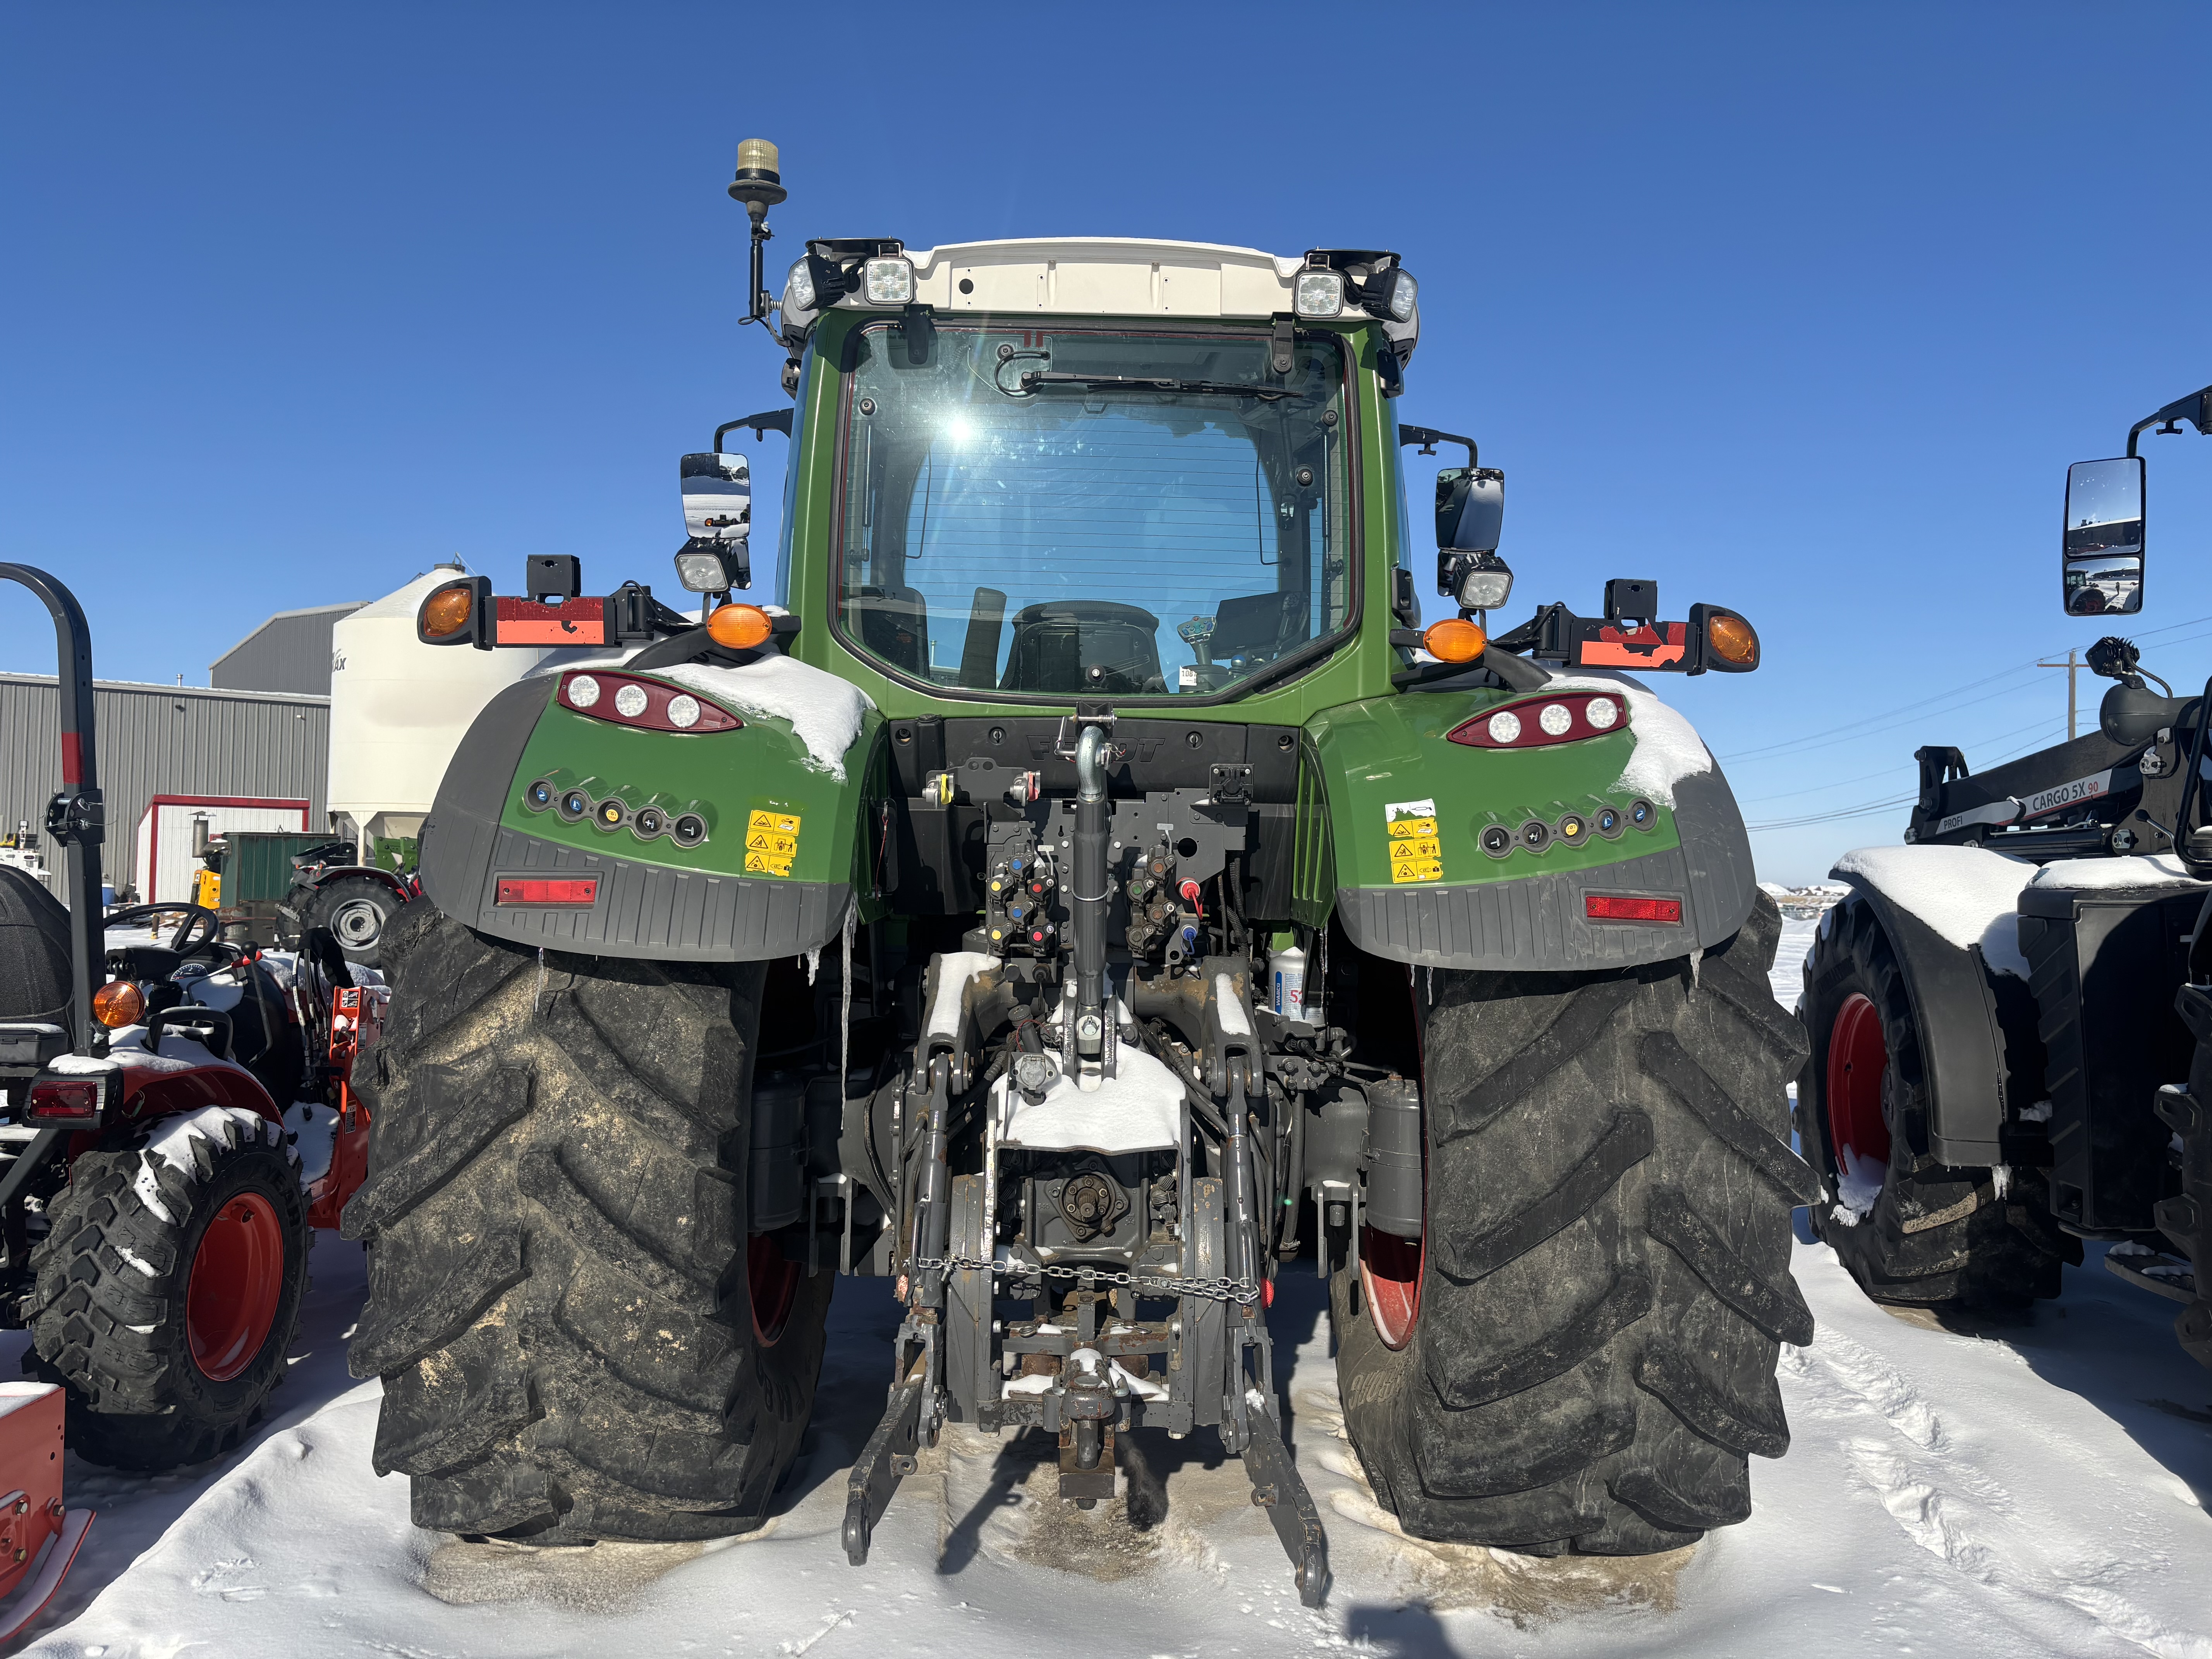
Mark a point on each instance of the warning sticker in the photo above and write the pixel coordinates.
(771, 840)
(1416, 853)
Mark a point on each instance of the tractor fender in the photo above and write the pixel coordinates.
(1529, 909)
(183, 1078)
(647, 902)
(350, 872)
(1962, 1039)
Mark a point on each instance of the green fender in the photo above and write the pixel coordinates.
(772, 879)
(1379, 773)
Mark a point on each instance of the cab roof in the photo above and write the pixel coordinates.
(1105, 275)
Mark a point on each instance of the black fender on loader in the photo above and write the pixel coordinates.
(1912, 1225)
(1964, 1090)
(580, 1335)
(1580, 1354)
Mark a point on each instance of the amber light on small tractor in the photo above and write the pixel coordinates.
(118, 1003)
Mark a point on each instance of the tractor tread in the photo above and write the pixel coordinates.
(106, 1305)
(559, 1301)
(1635, 1270)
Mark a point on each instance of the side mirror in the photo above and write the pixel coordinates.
(1470, 508)
(2102, 549)
(718, 513)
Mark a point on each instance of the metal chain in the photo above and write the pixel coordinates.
(1218, 1290)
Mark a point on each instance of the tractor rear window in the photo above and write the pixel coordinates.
(1088, 512)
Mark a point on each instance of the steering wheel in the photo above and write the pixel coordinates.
(200, 927)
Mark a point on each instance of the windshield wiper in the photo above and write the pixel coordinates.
(1034, 378)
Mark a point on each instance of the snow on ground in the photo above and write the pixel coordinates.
(2028, 1489)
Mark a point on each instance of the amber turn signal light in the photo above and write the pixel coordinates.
(1453, 640)
(739, 627)
(1731, 639)
(118, 1003)
(445, 612)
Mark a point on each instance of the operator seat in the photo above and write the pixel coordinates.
(1076, 647)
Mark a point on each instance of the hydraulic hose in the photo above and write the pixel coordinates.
(1089, 899)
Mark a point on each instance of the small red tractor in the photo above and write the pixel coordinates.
(165, 1096)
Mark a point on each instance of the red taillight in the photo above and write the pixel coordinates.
(578, 891)
(1535, 722)
(627, 701)
(69, 1100)
(1618, 907)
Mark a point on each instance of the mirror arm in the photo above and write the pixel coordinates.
(1428, 437)
(2195, 409)
(773, 420)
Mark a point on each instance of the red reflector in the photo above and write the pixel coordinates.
(532, 890)
(1611, 907)
(71, 1101)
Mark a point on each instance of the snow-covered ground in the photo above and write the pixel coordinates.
(2032, 1489)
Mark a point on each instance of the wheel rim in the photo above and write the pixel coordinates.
(357, 923)
(774, 1286)
(236, 1282)
(1390, 1271)
(1857, 1057)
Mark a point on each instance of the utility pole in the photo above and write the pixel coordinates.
(2073, 667)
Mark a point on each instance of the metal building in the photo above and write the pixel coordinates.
(290, 652)
(165, 741)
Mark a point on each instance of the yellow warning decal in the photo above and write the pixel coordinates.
(1416, 853)
(771, 839)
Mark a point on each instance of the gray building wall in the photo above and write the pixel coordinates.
(290, 652)
(163, 740)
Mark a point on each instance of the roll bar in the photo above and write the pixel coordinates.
(76, 816)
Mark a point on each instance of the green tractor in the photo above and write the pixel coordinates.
(1084, 892)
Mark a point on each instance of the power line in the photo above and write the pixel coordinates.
(1930, 705)
(2038, 724)
(1870, 807)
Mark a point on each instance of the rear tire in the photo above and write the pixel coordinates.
(2187, 1220)
(562, 1288)
(171, 1327)
(1606, 1283)
(358, 911)
(1930, 1235)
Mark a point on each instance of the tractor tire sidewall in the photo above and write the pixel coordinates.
(2193, 1325)
(331, 900)
(137, 1399)
(559, 1302)
(1936, 1235)
(1605, 1150)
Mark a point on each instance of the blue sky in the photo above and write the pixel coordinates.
(1800, 309)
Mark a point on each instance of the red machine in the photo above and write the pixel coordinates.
(38, 1539)
(153, 1214)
